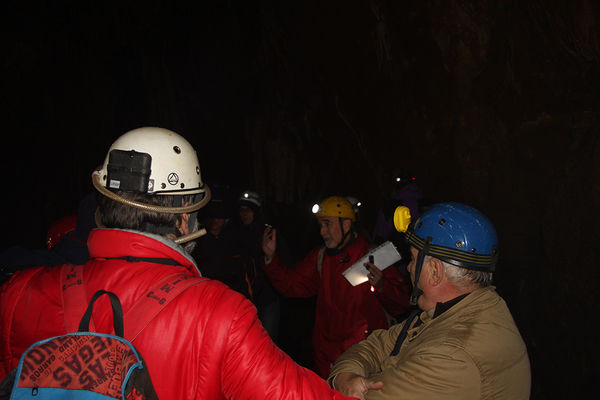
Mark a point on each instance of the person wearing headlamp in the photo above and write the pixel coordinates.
(205, 343)
(344, 314)
(462, 342)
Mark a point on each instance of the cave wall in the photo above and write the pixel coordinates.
(491, 103)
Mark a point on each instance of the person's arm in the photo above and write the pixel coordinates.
(439, 371)
(253, 367)
(394, 294)
(391, 288)
(365, 358)
(354, 385)
(301, 280)
(269, 243)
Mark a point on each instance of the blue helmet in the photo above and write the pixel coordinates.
(457, 234)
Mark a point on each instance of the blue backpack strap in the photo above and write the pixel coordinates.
(404, 331)
(156, 298)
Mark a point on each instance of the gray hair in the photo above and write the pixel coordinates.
(121, 216)
(463, 278)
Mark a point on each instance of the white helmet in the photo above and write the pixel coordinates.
(153, 161)
(160, 157)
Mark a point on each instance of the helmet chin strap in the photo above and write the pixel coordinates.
(337, 249)
(195, 233)
(416, 292)
(190, 236)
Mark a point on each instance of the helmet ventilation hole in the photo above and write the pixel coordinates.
(459, 244)
(176, 149)
(442, 221)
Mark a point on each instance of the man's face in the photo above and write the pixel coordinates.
(412, 264)
(329, 228)
(246, 215)
(215, 225)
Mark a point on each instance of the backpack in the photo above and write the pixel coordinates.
(93, 365)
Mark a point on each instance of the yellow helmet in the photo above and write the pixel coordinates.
(335, 206)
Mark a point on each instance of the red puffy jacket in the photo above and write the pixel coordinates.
(205, 344)
(345, 314)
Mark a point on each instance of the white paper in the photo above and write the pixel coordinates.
(384, 255)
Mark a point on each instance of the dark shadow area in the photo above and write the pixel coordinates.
(494, 104)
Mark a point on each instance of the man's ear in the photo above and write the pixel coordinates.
(183, 225)
(437, 272)
(346, 224)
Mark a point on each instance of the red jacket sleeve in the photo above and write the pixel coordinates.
(302, 280)
(395, 294)
(255, 368)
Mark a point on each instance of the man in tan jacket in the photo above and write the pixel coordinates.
(462, 342)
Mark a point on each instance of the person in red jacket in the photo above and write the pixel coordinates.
(206, 343)
(345, 314)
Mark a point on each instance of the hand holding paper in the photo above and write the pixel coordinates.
(385, 254)
(375, 276)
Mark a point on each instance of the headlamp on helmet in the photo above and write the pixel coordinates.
(153, 161)
(251, 198)
(452, 232)
(355, 203)
(334, 206)
(402, 218)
